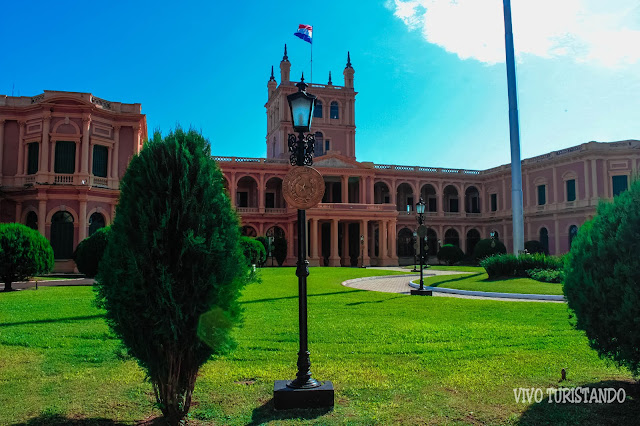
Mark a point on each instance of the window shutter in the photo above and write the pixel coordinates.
(34, 151)
(65, 161)
(571, 190)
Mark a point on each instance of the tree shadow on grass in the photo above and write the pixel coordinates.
(266, 413)
(46, 321)
(548, 412)
(374, 301)
(464, 277)
(48, 419)
(350, 290)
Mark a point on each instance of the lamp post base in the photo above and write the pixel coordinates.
(421, 293)
(286, 398)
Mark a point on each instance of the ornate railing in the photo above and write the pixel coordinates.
(63, 179)
(275, 210)
(247, 209)
(99, 181)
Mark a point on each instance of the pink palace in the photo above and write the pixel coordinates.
(62, 155)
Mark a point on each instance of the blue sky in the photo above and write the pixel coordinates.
(430, 73)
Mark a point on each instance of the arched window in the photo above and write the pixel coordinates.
(405, 243)
(62, 235)
(319, 144)
(32, 220)
(317, 111)
(473, 236)
(573, 231)
(248, 231)
(451, 237)
(432, 242)
(544, 239)
(335, 110)
(96, 221)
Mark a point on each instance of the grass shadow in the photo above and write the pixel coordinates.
(271, 299)
(464, 277)
(60, 420)
(548, 412)
(267, 413)
(46, 321)
(373, 301)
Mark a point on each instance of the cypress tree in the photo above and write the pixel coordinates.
(172, 259)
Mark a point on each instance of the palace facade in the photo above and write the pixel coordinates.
(62, 155)
(364, 218)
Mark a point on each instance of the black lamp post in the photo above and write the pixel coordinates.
(422, 233)
(304, 391)
(362, 251)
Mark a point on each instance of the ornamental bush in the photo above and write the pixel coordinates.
(24, 252)
(488, 247)
(509, 265)
(253, 250)
(533, 246)
(602, 276)
(173, 267)
(450, 254)
(546, 275)
(90, 251)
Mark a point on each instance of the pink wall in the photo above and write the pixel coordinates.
(10, 152)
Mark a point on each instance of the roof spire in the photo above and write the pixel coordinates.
(348, 60)
(329, 83)
(302, 78)
(285, 57)
(272, 78)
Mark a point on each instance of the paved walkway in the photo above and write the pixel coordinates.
(400, 284)
(50, 283)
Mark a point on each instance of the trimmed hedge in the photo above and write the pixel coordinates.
(546, 275)
(24, 252)
(253, 250)
(509, 265)
(89, 252)
(450, 254)
(488, 247)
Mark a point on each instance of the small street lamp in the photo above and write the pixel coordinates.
(303, 187)
(422, 234)
(362, 251)
(415, 252)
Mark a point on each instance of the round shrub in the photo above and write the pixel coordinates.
(172, 272)
(24, 252)
(488, 247)
(253, 250)
(89, 252)
(450, 254)
(602, 273)
(533, 246)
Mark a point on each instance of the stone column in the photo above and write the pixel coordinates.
(42, 214)
(21, 170)
(44, 152)
(136, 138)
(291, 252)
(19, 212)
(345, 189)
(232, 189)
(82, 232)
(383, 248)
(113, 212)
(261, 193)
(394, 194)
(364, 249)
(313, 239)
(557, 235)
(393, 253)
(334, 259)
(116, 153)
(371, 190)
(84, 160)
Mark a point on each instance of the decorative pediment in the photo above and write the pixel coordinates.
(335, 161)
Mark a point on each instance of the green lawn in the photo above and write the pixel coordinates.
(393, 359)
(478, 281)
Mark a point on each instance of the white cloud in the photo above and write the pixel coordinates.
(589, 31)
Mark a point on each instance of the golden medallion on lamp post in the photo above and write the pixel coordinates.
(303, 187)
